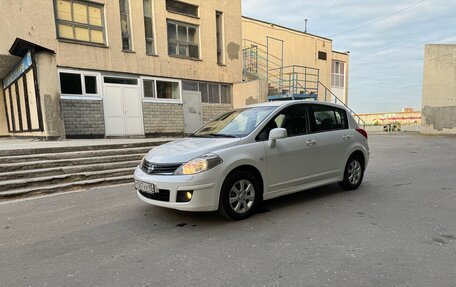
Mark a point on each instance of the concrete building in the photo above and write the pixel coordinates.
(99, 68)
(292, 62)
(439, 90)
(116, 68)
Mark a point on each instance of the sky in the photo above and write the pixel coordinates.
(385, 38)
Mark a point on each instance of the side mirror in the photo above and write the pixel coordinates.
(276, 134)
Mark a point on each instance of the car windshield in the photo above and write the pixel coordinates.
(235, 124)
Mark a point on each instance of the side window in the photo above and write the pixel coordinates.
(326, 118)
(293, 119)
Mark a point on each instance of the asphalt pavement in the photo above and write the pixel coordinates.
(397, 229)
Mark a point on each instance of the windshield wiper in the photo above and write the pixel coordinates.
(223, 135)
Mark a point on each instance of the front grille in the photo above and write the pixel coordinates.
(162, 195)
(159, 168)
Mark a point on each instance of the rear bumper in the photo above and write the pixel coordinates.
(205, 194)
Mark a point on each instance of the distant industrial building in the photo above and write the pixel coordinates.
(406, 117)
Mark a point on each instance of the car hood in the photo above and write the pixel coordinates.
(183, 150)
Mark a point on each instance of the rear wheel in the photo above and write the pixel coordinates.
(240, 195)
(353, 174)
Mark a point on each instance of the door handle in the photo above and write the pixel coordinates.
(311, 142)
(346, 137)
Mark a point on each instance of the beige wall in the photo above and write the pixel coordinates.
(33, 20)
(251, 92)
(439, 90)
(299, 48)
(49, 94)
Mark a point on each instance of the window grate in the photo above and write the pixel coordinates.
(190, 86)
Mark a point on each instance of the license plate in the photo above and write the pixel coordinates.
(145, 187)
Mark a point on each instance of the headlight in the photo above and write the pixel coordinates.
(199, 164)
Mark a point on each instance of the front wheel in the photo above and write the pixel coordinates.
(240, 195)
(353, 174)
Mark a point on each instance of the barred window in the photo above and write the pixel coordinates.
(214, 93)
(190, 86)
(203, 87)
(80, 21)
(225, 94)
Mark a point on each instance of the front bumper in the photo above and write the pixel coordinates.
(205, 192)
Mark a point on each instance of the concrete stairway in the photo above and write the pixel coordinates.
(25, 172)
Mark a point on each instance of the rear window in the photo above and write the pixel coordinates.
(326, 118)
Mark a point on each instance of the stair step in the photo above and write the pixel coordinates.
(71, 186)
(65, 170)
(73, 154)
(21, 166)
(56, 179)
(69, 148)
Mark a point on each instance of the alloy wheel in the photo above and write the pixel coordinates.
(242, 196)
(354, 172)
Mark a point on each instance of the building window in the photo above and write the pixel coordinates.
(120, 81)
(190, 86)
(182, 8)
(91, 85)
(210, 92)
(125, 25)
(148, 27)
(80, 21)
(225, 94)
(75, 83)
(338, 74)
(322, 55)
(183, 40)
(70, 84)
(168, 90)
(149, 89)
(159, 89)
(219, 31)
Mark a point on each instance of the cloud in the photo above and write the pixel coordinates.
(386, 60)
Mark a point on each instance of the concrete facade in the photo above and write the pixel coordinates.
(216, 71)
(250, 92)
(38, 22)
(439, 90)
(299, 48)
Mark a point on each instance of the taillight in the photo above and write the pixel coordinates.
(363, 132)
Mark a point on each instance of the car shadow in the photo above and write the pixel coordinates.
(158, 215)
(301, 197)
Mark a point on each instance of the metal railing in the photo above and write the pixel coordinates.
(294, 80)
(290, 81)
(330, 97)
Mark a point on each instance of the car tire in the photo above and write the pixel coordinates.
(240, 195)
(353, 173)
